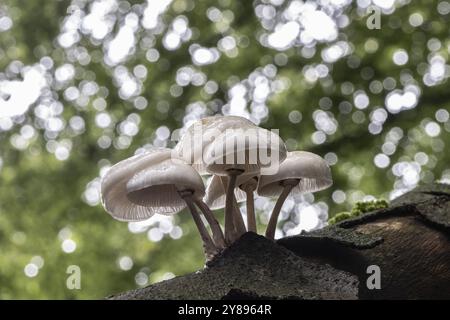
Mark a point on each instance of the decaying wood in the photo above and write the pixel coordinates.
(409, 242)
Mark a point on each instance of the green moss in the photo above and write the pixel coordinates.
(339, 217)
(367, 206)
(359, 208)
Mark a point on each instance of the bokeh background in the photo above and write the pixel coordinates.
(87, 83)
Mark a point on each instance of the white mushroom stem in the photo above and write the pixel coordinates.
(251, 218)
(288, 185)
(217, 232)
(238, 220)
(230, 231)
(230, 213)
(208, 244)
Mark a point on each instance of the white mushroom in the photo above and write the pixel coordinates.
(301, 172)
(248, 149)
(241, 157)
(113, 187)
(200, 134)
(175, 184)
(244, 150)
(216, 191)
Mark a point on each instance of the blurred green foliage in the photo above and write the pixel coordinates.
(47, 197)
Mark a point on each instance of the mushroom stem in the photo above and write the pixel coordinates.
(218, 236)
(251, 218)
(288, 185)
(229, 228)
(208, 244)
(230, 213)
(238, 220)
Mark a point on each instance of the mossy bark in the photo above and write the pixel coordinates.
(409, 242)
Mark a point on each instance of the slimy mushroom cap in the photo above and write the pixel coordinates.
(249, 149)
(200, 134)
(114, 185)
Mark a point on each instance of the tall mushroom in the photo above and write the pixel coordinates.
(200, 134)
(237, 151)
(301, 172)
(175, 184)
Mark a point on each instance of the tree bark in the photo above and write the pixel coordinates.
(409, 242)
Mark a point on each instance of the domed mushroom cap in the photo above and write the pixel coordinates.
(200, 134)
(250, 149)
(216, 192)
(114, 185)
(312, 171)
(158, 186)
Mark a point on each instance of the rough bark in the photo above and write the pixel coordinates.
(409, 241)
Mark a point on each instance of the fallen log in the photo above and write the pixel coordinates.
(401, 252)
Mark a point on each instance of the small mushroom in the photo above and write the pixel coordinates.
(175, 184)
(216, 191)
(245, 150)
(301, 172)
(113, 186)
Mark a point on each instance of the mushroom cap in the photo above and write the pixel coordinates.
(250, 149)
(114, 185)
(216, 192)
(158, 186)
(312, 171)
(200, 134)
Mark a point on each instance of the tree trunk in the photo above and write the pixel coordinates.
(409, 242)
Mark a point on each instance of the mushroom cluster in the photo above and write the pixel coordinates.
(241, 159)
